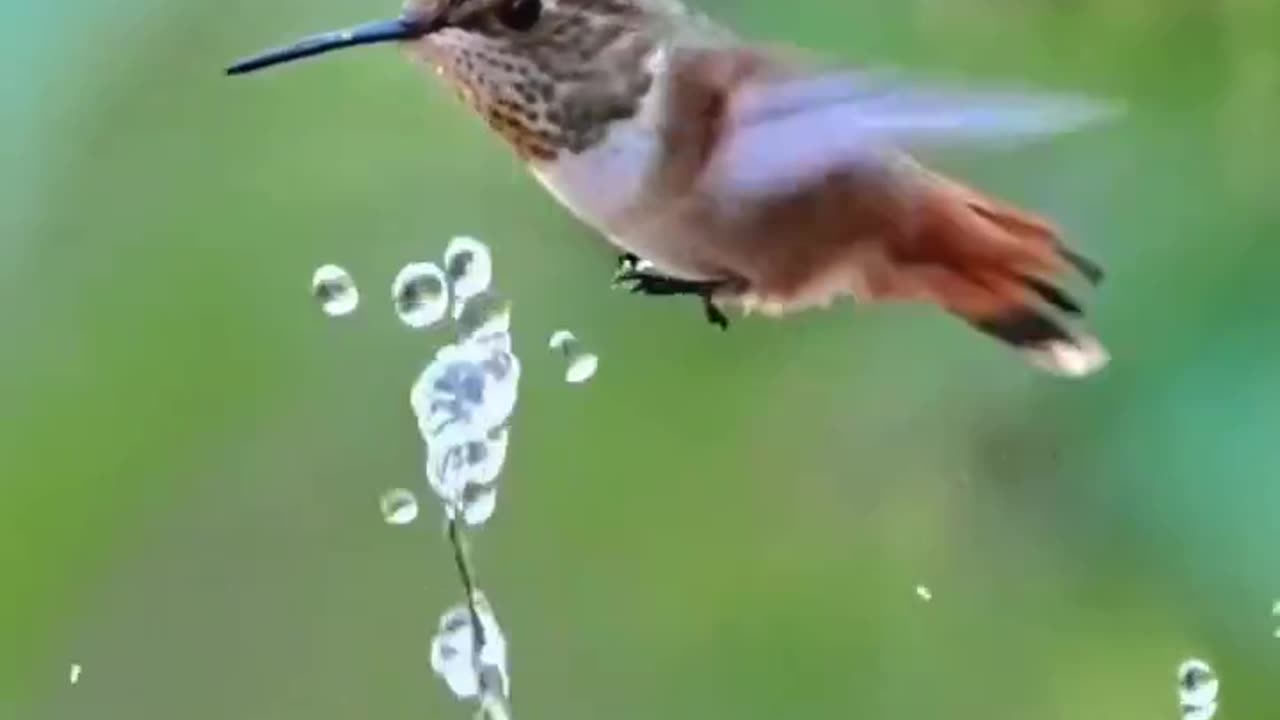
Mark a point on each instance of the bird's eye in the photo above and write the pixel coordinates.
(520, 15)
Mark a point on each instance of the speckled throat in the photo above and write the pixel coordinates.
(558, 87)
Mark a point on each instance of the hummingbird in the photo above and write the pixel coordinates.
(750, 177)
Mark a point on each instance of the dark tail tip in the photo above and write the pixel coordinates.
(1053, 295)
(1045, 343)
(1087, 268)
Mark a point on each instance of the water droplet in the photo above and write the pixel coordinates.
(74, 675)
(924, 593)
(476, 461)
(454, 656)
(469, 266)
(336, 290)
(465, 392)
(463, 400)
(1200, 712)
(478, 504)
(581, 368)
(1275, 612)
(581, 365)
(421, 294)
(399, 507)
(561, 339)
(483, 315)
(1197, 690)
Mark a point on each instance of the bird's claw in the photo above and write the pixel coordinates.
(646, 283)
(627, 262)
(714, 314)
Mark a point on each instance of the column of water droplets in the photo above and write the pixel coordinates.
(463, 400)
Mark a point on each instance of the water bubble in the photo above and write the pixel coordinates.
(581, 365)
(581, 368)
(454, 656)
(335, 290)
(1275, 612)
(1202, 712)
(464, 468)
(399, 507)
(478, 504)
(469, 266)
(463, 400)
(483, 315)
(924, 593)
(475, 461)
(465, 392)
(421, 294)
(1197, 690)
(74, 675)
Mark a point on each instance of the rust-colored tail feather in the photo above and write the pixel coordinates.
(994, 266)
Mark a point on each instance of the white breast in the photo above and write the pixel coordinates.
(602, 182)
(605, 180)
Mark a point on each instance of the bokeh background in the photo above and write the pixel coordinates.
(719, 525)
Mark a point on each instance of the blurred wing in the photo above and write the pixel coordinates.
(791, 130)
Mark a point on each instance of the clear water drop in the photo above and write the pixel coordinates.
(469, 266)
(581, 368)
(484, 314)
(465, 392)
(74, 675)
(1199, 712)
(479, 503)
(580, 365)
(924, 593)
(562, 340)
(421, 294)
(454, 467)
(336, 290)
(463, 400)
(454, 656)
(399, 507)
(1197, 689)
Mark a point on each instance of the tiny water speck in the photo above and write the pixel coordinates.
(469, 266)
(924, 593)
(421, 294)
(399, 507)
(336, 290)
(1197, 690)
(1275, 613)
(74, 675)
(581, 365)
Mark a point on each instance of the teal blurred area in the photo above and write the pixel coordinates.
(717, 525)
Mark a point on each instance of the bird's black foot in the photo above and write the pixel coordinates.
(647, 283)
(715, 315)
(627, 262)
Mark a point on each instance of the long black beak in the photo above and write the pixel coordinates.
(379, 31)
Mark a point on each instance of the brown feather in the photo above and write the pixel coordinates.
(994, 266)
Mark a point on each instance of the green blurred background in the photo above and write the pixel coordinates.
(718, 525)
